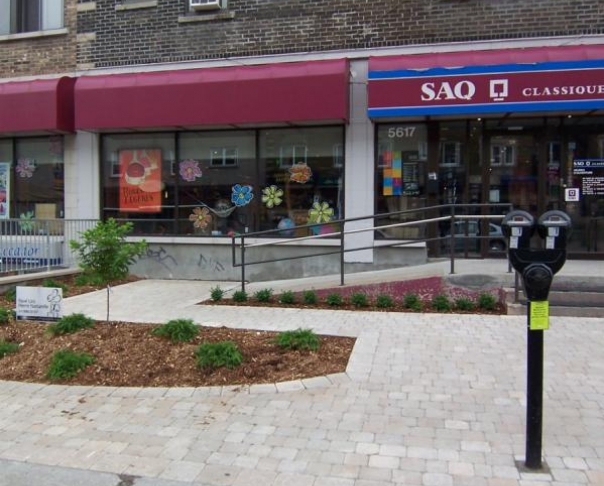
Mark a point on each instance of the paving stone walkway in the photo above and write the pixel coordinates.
(427, 400)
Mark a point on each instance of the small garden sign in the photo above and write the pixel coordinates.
(39, 303)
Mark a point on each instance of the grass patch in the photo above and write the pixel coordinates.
(310, 297)
(298, 339)
(464, 304)
(487, 301)
(6, 347)
(441, 303)
(66, 363)
(240, 296)
(264, 295)
(217, 355)
(70, 324)
(177, 330)
(287, 297)
(216, 293)
(412, 302)
(334, 300)
(5, 315)
(50, 283)
(384, 301)
(359, 299)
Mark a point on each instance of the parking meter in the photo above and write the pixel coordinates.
(537, 266)
(519, 227)
(554, 227)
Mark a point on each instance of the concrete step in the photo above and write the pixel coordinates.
(572, 303)
(558, 310)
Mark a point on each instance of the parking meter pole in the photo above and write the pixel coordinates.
(534, 395)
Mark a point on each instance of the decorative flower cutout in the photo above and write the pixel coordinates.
(201, 218)
(242, 195)
(271, 196)
(25, 168)
(320, 213)
(300, 173)
(189, 170)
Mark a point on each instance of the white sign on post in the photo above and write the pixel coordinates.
(39, 303)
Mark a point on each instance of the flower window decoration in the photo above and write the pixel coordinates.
(200, 218)
(25, 167)
(189, 170)
(242, 195)
(272, 196)
(320, 212)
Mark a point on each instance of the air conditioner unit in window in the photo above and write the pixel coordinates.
(204, 4)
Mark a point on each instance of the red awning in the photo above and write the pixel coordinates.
(487, 57)
(42, 105)
(288, 92)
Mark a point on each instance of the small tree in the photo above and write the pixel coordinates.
(104, 253)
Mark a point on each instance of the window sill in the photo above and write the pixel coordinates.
(33, 35)
(185, 19)
(136, 6)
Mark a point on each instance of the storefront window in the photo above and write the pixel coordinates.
(6, 157)
(139, 181)
(37, 187)
(224, 182)
(402, 153)
(210, 165)
(301, 172)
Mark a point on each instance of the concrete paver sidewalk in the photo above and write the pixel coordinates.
(427, 400)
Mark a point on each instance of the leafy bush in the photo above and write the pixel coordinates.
(50, 283)
(412, 302)
(441, 303)
(216, 293)
(487, 301)
(104, 251)
(264, 295)
(5, 315)
(464, 304)
(217, 355)
(359, 299)
(11, 294)
(177, 330)
(287, 297)
(384, 301)
(298, 339)
(66, 363)
(240, 296)
(6, 347)
(84, 279)
(70, 324)
(334, 299)
(310, 297)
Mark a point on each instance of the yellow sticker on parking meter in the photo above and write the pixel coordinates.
(539, 316)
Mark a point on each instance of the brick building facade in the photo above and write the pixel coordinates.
(259, 115)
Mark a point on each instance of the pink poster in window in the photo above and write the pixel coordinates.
(140, 181)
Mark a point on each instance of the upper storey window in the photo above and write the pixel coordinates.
(20, 16)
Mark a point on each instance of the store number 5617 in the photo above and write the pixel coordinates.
(401, 132)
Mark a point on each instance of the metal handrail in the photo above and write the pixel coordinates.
(239, 241)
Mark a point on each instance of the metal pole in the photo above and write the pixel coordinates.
(452, 240)
(342, 253)
(242, 264)
(534, 395)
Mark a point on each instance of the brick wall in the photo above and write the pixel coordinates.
(40, 55)
(259, 27)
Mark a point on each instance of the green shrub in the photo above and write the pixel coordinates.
(217, 355)
(70, 324)
(84, 279)
(11, 294)
(359, 299)
(104, 251)
(287, 297)
(412, 302)
(177, 330)
(240, 296)
(334, 299)
(384, 301)
(441, 303)
(487, 301)
(50, 283)
(6, 347)
(464, 304)
(264, 295)
(309, 297)
(66, 363)
(5, 315)
(216, 293)
(298, 339)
